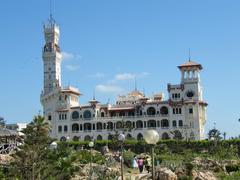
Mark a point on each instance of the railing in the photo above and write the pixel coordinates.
(121, 117)
(7, 148)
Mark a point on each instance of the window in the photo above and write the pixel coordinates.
(65, 116)
(176, 96)
(59, 128)
(59, 117)
(65, 128)
(75, 115)
(174, 123)
(190, 110)
(102, 114)
(49, 117)
(190, 94)
(177, 110)
(180, 110)
(164, 123)
(87, 114)
(164, 110)
(151, 111)
(180, 123)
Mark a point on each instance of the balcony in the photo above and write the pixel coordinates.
(130, 117)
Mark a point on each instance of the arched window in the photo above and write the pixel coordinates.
(75, 138)
(151, 111)
(128, 124)
(99, 126)
(119, 125)
(87, 127)
(109, 125)
(164, 123)
(174, 123)
(165, 136)
(151, 124)
(139, 137)
(164, 110)
(110, 137)
(139, 124)
(87, 138)
(75, 127)
(177, 135)
(99, 137)
(75, 115)
(192, 136)
(129, 136)
(87, 114)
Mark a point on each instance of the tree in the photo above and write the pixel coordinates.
(2, 122)
(31, 157)
(35, 160)
(214, 134)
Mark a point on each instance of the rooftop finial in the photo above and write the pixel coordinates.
(189, 54)
(94, 94)
(135, 81)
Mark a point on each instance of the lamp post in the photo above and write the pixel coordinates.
(91, 144)
(151, 137)
(121, 138)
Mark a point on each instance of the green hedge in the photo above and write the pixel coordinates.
(173, 146)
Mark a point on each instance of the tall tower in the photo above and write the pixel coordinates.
(52, 56)
(191, 79)
(194, 105)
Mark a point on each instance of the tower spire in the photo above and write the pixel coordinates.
(94, 94)
(189, 54)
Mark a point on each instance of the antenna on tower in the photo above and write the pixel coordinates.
(135, 83)
(51, 10)
(189, 54)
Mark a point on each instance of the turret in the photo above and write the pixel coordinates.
(52, 57)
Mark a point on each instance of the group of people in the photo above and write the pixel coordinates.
(141, 162)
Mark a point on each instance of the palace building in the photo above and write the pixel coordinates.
(181, 115)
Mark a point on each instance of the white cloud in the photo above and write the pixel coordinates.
(109, 88)
(129, 76)
(97, 75)
(70, 56)
(143, 74)
(72, 67)
(124, 76)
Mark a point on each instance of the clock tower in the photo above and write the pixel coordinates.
(52, 57)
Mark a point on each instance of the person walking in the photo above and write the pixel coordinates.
(148, 163)
(135, 164)
(140, 164)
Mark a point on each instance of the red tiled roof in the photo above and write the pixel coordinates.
(121, 108)
(190, 64)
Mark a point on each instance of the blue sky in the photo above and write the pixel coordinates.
(106, 43)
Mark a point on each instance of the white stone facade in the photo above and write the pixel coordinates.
(183, 114)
